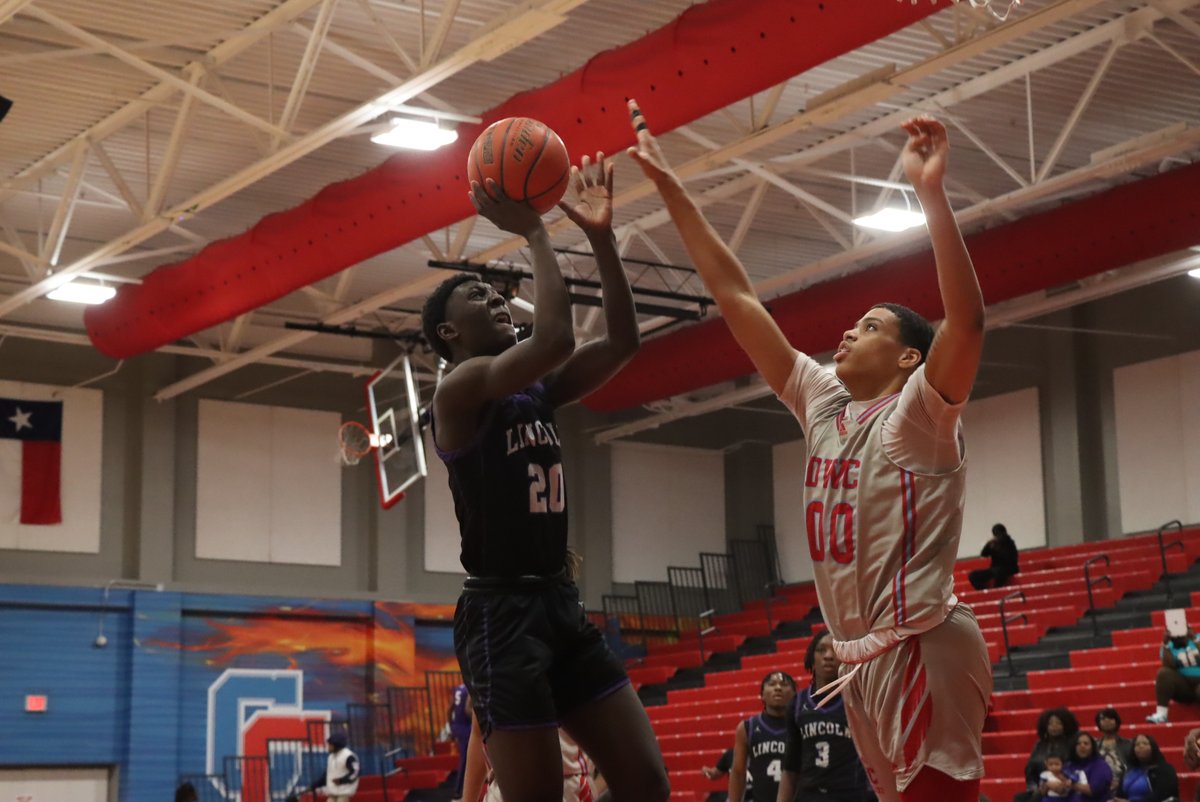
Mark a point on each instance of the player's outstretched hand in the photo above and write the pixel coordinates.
(593, 183)
(647, 153)
(926, 153)
(515, 217)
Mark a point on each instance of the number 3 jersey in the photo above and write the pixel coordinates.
(509, 493)
(883, 539)
(820, 752)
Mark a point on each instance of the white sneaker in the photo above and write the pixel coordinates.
(1157, 718)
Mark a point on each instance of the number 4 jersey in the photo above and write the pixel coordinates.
(509, 493)
(766, 738)
(883, 536)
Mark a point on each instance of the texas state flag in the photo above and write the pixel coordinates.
(31, 433)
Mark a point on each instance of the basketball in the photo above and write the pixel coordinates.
(527, 159)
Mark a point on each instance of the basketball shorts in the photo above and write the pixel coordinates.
(576, 788)
(528, 654)
(923, 703)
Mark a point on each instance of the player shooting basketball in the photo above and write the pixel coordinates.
(883, 490)
(529, 657)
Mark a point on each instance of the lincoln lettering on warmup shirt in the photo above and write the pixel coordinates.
(766, 738)
(509, 492)
(821, 752)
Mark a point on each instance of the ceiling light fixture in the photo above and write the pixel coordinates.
(415, 135)
(891, 219)
(1194, 273)
(76, 292)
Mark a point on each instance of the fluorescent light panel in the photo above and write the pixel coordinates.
(891, 220)
(81, 293)
(1194, 273)
(415, 135)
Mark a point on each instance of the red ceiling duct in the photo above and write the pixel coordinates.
(712, 55)
(1106, 231)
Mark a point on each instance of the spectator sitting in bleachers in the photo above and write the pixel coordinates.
(1055, 784)
(1179, 675)
(1002, 549)
(1091, 778)
(1148, 777)
(1056, 730)
(1115, 748)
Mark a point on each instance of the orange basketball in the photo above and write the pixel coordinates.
(523, 156)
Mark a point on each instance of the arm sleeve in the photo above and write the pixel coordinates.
(795, 744)
(812, 391)
(725, 761)
(923, 433)
(351, 771)
(1165, 783)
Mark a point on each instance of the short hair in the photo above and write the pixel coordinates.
(1000, 530)
(1108, 712)
(915, 330)
(433, 313)
(810, 654)
(786, 677)
(1057, 754)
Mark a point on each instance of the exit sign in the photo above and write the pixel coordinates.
(36, 703)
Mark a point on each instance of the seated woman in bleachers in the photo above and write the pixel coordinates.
(1148, 777)
(1115, 748)
(1056, 730)
(1002, 550)
(1091, 778)
(1179, 677)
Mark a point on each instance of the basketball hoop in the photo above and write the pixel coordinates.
(1000, 9)
(355, 442)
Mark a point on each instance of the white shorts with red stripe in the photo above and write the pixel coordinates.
(576, 788)
(923, 703)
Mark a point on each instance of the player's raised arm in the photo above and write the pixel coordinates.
(755, 330)
(486, 378)
(596, 362)
(954, 356)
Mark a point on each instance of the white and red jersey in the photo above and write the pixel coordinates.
(577, 771)
(883, 496)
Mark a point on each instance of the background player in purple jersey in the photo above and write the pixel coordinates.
(883, 488)
(759, 741)
(529, 657)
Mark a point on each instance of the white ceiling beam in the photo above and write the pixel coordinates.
(308, 63)
(10, 7)
(860, 99)
(434, 47)
(984, 148)
(15, 246)
(381, 28)
(1180, 57)
(134, 111)
(514, 30)
(1080, 107)
(753, 204)
(370, 67)
(66, 206)
(1177, 16)
(157, 72)
(770, 105)
(135, 206)
(155, 253)
(166, 170)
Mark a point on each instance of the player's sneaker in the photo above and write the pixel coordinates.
(1157, 718)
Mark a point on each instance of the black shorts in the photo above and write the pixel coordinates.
(528, 654)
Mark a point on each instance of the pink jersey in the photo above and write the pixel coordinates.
(883, 538)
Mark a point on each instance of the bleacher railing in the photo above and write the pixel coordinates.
(1092, 583)
(372, 735)
(1162, 552)
(412, 721)
(1005, 620)
(293, 765)
(441, 685)
(247, 778)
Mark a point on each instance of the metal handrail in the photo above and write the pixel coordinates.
(1091, 583)
(1162, 552)
(769, 590)
(701, 631)
(1005, 621)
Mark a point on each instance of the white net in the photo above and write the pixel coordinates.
(1000, 9)
(354, 442)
